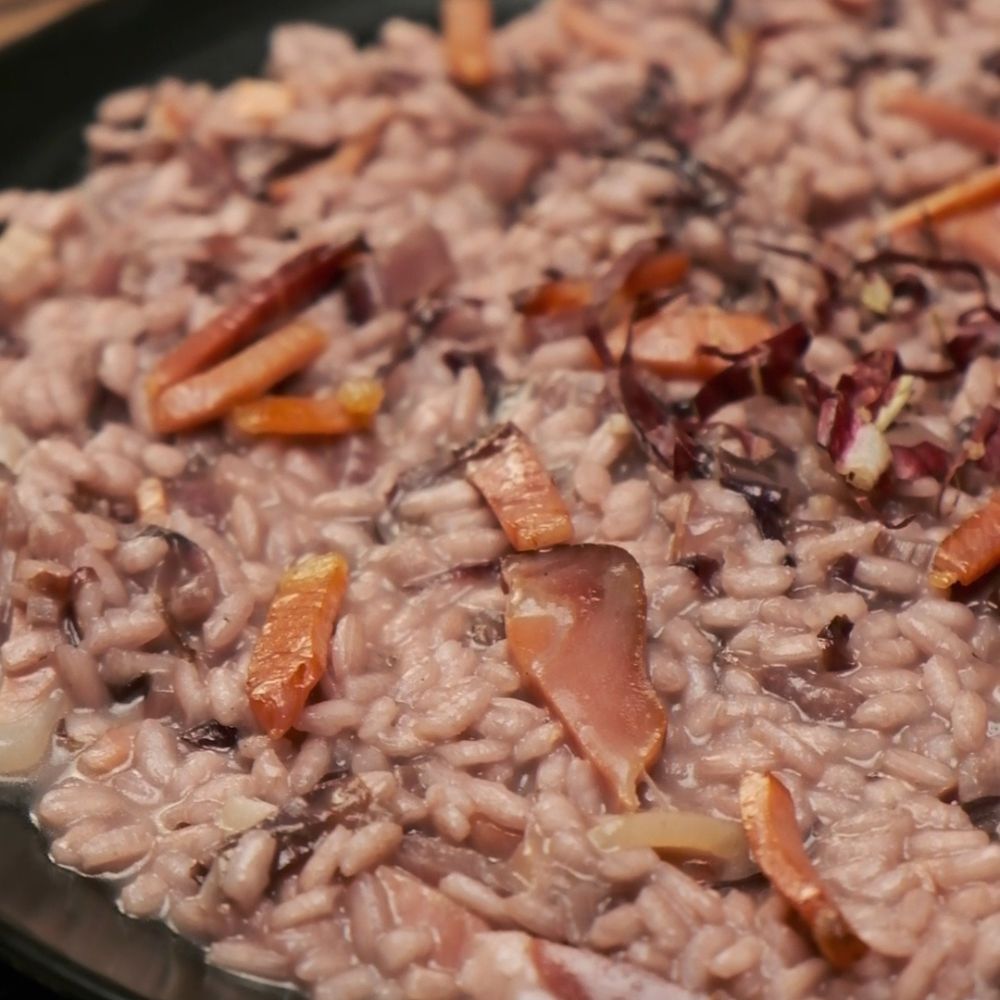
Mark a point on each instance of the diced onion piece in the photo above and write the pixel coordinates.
(31, 707)
(467, 26)
(209, 395)
(971, 550)
(769, 821)
(678, 343)
(291, 653)
(260, 101)
(520, 491)
(680, 834)
(352, 409)
(240, 812)
(576, 630)
(865, 458)
(151, 501)
(14, 443)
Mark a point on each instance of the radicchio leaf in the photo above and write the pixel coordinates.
(185, 581)
(485, 364)
(854, 416)
(766, 502)
(834, 636)
(884, 259)
(819, 696)
(705, 568)
(984, 813)
(925, 458)
(211, 735)
(302, 821)
(833, 294)
(764, 369)
(660, 428)
(983, 445)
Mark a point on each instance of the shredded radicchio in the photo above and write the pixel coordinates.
(767, 503)
(668, 430)
(64, 588)
(818, 695)
(842, 570)
(925, 458)
(704, 568)
(983, 445)
(185, 581)
(301, 822)
(211, 735)
(984, 813)
(833, 637)
(764, 369)
(485, 364)
(854, 416)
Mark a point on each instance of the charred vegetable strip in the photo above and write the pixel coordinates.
(977, 191)
(352, 409)
(290, 288)
(467, 27)
(291, 653)
(351, 155)
(208, 395)
(520, 491)
(769, 821)
(946, 119)
(576, 630)
(971, 550)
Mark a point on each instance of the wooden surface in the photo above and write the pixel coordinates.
(21, 17)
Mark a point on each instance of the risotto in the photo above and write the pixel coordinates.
(507, 511)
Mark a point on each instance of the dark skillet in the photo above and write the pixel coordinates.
(55, 927)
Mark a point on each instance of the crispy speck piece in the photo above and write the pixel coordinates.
(467, 29)
(291, 654)
(518, 488)
(971, 550)
(768, 815)
(576, 630)
(975, 192)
